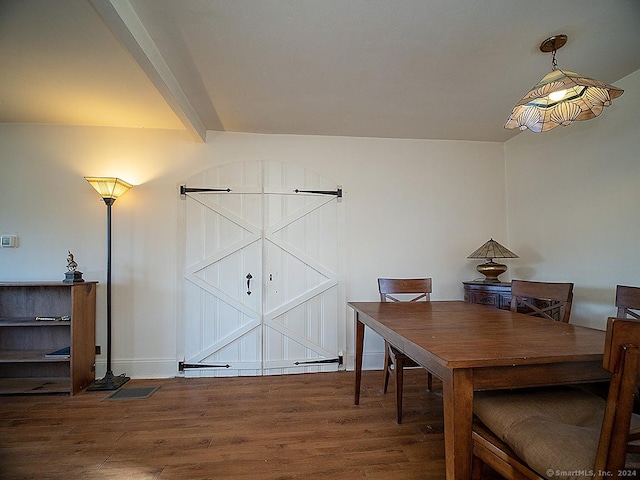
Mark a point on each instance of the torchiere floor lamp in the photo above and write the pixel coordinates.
(110, 189)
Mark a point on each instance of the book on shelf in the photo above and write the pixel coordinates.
(61, 353)
(60, 318)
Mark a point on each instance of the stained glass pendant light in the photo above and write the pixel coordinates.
(560, 97)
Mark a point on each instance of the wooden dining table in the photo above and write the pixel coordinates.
(473, 347)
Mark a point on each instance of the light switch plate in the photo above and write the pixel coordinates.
(8, 241)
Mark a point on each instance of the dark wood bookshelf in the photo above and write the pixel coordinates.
(25, 341)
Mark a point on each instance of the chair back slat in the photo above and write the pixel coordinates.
(543, 299)
(415, 289)
(628, 302)
(620, 332)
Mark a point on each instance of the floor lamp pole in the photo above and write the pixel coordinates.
(110, 381)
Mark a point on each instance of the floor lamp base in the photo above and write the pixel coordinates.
(108, 382)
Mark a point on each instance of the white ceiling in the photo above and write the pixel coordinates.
(438, 69)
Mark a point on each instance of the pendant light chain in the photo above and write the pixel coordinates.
(554, 63)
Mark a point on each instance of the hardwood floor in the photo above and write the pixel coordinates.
(298, 426)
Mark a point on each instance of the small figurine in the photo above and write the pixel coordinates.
(72, 275)
(71, 263)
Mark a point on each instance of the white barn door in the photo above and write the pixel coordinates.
(261, 290)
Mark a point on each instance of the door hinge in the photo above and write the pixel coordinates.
(184, 190)
(182, 366)
(337, 192)
(326, 360)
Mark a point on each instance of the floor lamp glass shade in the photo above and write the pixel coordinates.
(109, 187)
(490, 269)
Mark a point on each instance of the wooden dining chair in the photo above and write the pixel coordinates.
(538, 433)
(402, 290)
(628, 302)
(542, 299)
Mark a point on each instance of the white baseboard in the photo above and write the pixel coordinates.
(140, 368)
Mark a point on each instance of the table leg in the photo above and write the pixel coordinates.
(457, 396)
(358, 359)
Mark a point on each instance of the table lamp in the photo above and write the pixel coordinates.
(490, 269)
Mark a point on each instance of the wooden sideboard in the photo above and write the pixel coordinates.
(495, 294)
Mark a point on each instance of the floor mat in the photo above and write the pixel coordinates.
(132, 393)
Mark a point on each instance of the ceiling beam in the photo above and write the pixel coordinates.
(125, 24)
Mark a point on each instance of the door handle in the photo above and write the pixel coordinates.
(249, 277)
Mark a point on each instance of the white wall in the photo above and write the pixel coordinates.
(412, 207)
(574, 205)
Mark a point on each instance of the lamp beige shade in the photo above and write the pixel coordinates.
(109, 187)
